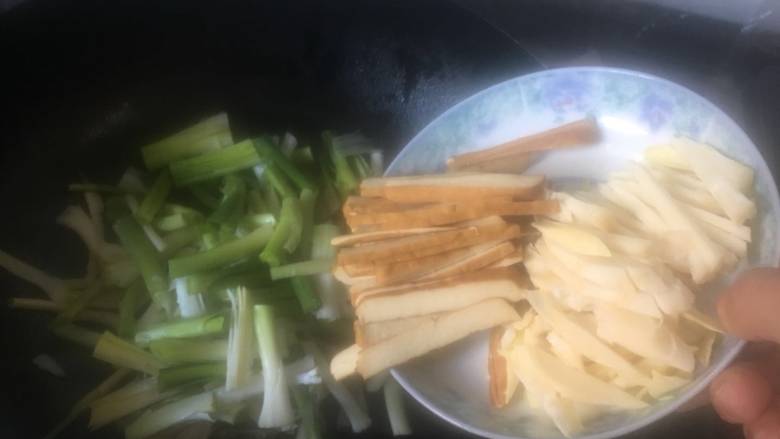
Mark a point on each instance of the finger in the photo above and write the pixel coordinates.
(740, 394)
(749, 308)
(766, 426)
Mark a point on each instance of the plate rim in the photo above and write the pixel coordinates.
(705, 379)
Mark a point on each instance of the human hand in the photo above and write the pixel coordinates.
(748, 392)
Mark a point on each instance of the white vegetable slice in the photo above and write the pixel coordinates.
(726, 179)
(580, 338)
(575, 208)
(571, 383)
(564, 351)
(573, 238)
(687, 188)
(563, 414)
(617, 193)
(704, 350)
(547, 272)
(703, 320)
(705, 160)
(670, 293)
(735, 246)
(644, 336)
(704, 257)
(606, 272)
(665, 155)
(661, 384)
(740, 231)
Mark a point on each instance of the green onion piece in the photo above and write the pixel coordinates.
(308, 200)
(276, 410)
(169, 414)
(377, 382)
(121, 272)
(259, 219)
(128, 306)
(207, 135)
(305, 268)
(214, 164)
(249, 280)
(172, 222)
(256, 202)
(204, 195)
(322, 236)
(77, 304)
(201, 282)
(182, 328)
(361, 167)
(346, 182)
(191, 304)
(302, 156)
(104, 387)
(120, 353)
(240, 341)
(54, 287)
(307, 409)
(122, 402)
(179, 239)
(171, 208)
(357, 416)
(178, 350)
(284, 233)
(278, 181)
(76, 334)
(250, 270)
(296, 227)
(172, 377)
(232, 204)
(210, 239)
(154, 199)
(305, 293)
(146, 257)
(221, 255)
(270, 196)
(272, 155)
(394, 402)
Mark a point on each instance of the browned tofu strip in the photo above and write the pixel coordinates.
(357, 270)
(434, 334)
(474, 262)
(357, 295)
(417, 246)
(497, 370)
(510, 164)
(508, 261)
(581, 132)
(362, 238)
(356, 282)
(367, 334)
(450, 213)
(356, 205)
(374, 305)
(442, 265)
(454, 186)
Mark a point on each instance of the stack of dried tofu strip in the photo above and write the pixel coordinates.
(431, 260)
(612, 323)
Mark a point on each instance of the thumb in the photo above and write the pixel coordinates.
(750, 308)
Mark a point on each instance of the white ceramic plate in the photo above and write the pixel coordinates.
(634, 110)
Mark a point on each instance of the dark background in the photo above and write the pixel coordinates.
(84, 83)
